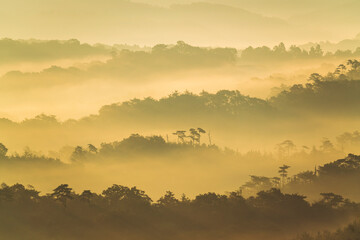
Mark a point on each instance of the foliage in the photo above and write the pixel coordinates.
(130, 212)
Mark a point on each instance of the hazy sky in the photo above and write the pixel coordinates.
(226, 23)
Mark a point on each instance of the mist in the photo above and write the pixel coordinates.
(179, 119)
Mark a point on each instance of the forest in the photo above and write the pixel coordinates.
(179, 119)
(261, 208)
(292, 111)
(129, 212)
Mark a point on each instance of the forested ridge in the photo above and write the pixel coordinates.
(131, 213)
(339, 177)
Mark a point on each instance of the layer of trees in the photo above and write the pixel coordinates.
(281, 53)
(129, 212)
(12, 51)
(341, 176)
(184, 105)
(179, 54)
(163, 58)
(123, 62)
(335, 93)
(27, 159)
(350, 232)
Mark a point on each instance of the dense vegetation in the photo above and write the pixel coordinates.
(341, 176)
(131, 213)
(213, 125)
(350, 232)
(292, 112)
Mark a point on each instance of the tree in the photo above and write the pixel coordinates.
(210, 200)
(5, 193)
(3, 150)
(168, 199)
(276, 182)
(194, 135)
(201, 131)
(306, 177)
(78, 154)
(331, 199)
(125, 195)
(354, 64)
(316, 51)
(62, 193)
(280, 50)
(286, 147)
(316, 78)
(181, 136)
(115, 193)
(283, 173)
(86, 196)
(185, 199)
(258, 183)
(92, 149)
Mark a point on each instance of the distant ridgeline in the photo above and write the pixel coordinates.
(41, 50)
(337, 93)
(36, 50)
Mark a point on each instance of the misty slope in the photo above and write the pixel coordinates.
(293, 113)
(114, 21)
(57, 77)
(344, 45)
(18, 51)
(278, 8)
(342, 18)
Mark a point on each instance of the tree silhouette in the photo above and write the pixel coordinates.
(286, 147)
(331, 199)
(168, 200)
(62, 193)
(194, 135)
(316, 78)
(3, 150)
(305, 177)
(181, 136)
(283, 173)
(78, 154)
(201, 131)
(92, 149)
(86, 196)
